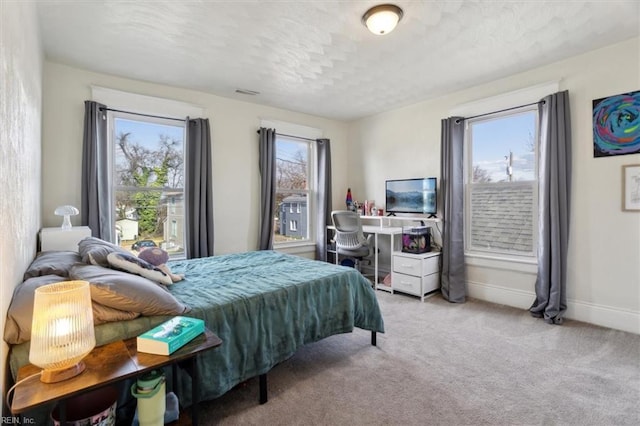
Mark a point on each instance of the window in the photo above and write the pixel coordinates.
(294, 178)
(148, 180)
(501, 183)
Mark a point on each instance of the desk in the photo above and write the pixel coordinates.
(392, 231)
(106, 365)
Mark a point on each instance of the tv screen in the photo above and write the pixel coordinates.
(412, 196)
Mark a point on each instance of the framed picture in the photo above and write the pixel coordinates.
(616, 125)
(631, 187)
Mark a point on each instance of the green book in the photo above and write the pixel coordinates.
(170, 336)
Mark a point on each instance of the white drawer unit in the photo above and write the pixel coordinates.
(416, 274)
(62, 239)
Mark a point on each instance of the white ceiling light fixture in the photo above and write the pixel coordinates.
(382, 19)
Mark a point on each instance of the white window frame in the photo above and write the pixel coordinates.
(309, 192)
(495, 103)
(469, 185)
(112, 116)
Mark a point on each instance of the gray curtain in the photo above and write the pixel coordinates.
(452, 280)
(554, 197)
(324, 196)
(198, 190)
(267, 142)
(95, 211)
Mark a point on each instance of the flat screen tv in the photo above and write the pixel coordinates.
(417, 196)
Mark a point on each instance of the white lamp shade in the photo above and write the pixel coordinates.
(62, 331)
(382, 19)
(67, 212)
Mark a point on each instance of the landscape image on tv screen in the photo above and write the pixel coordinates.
(411, 196)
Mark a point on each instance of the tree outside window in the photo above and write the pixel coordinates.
(293, 189)
(148, 181)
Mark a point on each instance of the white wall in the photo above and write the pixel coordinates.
(20, 108)
(236, 178)
(604, 256)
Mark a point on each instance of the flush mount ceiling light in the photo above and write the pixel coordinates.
(382, 19)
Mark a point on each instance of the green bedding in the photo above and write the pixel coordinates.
(263, 305)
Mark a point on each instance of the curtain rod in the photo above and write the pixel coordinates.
(144, 115)
(291, 136)
(502, 110)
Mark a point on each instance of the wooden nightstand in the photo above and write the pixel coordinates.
(107, 365)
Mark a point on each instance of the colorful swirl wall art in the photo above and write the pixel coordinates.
(616, 125)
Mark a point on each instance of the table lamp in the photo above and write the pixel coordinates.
(67, 212)
(62, 329)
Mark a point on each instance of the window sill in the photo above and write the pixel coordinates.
(525, 265)
(295, 248)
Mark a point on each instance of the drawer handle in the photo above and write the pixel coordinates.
(406, 282)
(407, 265)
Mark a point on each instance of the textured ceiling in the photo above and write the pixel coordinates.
(316, 56)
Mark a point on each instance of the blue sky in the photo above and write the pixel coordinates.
(287, 149)
(494, 139)
(147, 134)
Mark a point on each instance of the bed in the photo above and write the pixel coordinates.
(263, 305)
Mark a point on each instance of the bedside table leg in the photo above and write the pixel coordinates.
(195, 391)
(263, 388)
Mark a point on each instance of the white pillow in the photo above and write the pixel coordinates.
(132, 264)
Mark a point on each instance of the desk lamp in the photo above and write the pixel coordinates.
(62, 329)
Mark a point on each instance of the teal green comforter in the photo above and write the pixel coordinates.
(263, 305)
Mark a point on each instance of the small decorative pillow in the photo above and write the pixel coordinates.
(52, 263)
(154, 255)
(132, 264)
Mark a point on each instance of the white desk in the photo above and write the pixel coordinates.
(387, 221)
(392, 231)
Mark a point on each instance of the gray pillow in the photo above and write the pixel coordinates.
(127, 292)
(103, 314)
(52, 263)
(95, 251)
(17, 328)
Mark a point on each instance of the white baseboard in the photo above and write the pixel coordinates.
(592, 313)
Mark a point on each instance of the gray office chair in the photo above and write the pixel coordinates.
(349, 238)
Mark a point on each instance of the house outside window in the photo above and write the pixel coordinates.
(294, 189)
(501, 188)
(148, 179)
